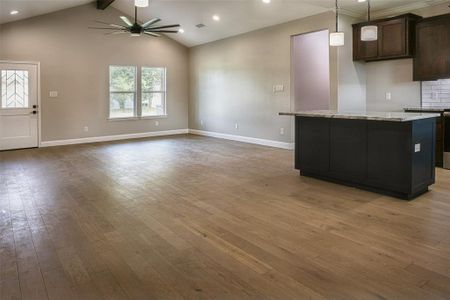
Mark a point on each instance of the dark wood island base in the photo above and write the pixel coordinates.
(396, 158)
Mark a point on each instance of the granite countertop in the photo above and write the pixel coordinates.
(363, 115)
(428, 109)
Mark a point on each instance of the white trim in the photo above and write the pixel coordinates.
(244, 139)
(398, 10)
(96, 139)
(406, 8)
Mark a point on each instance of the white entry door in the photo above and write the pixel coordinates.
(18, 106)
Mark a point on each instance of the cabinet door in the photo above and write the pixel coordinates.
(392, 38)
(432, 60)
(363, 50)
(388, 166)
(348, 154)
(313, 131)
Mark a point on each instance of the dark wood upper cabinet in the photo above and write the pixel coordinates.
(432, 61)
(396, 39)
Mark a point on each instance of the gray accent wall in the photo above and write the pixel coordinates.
(74, 61)
(310, 63)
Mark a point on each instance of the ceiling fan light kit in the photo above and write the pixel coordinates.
(337, 39)
(141, 3)
(136, 29)
(369, 33)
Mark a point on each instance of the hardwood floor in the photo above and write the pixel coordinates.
(190, 217)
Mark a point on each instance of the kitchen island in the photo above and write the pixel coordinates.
(389, 153)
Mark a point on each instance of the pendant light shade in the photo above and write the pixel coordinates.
(141, 3)
(337, 38)
(370, 32)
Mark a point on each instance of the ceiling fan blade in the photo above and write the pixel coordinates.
(165, 26)
(116, 32)
(164, 31)
(112, 25)
(151, 22)
(152, 34)
(125, 19)
(102, 28)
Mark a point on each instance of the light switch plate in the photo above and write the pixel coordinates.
(388, 96)
(278, 88)
(53, 94)
(417, 148)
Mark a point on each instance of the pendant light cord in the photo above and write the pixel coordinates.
(337, 16)
(135, 14)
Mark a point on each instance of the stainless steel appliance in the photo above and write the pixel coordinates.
(447, 140)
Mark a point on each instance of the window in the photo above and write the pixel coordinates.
(122, 92)
(125, 102)
(153, 91)
(14, 89)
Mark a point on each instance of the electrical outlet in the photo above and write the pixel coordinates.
(417, 148)
(201, 123)
(282, 131)
(236, 126)
(85, 128)
(156, 123)
(388, 96)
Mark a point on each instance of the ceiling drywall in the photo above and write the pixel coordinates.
(236, 16)
(31, 8)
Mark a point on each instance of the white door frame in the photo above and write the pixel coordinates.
(38, 83)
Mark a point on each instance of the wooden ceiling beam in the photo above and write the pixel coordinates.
(103, 4)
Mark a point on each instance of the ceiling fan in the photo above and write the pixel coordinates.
(136, 29)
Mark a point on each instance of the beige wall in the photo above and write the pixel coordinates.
(231, 80)
(74, 62)
(396, 77)
(352, 75)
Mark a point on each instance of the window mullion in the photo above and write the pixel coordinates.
(138, 94)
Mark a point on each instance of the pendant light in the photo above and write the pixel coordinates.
(337, 38)
(141, 3)
(370, 32)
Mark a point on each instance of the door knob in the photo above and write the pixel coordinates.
(34, 112)
(35, 106)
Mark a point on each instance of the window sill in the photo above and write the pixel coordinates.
(138, 118)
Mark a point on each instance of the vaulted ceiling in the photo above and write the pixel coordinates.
(236, 16)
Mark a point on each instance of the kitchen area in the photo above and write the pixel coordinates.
(390, 147)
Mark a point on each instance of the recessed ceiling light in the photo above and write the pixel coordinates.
(14, 12)
(361, 0)
(216, 17)
(181, 30)
(266, 1)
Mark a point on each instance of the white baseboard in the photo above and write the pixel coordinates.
(244, 139)
(108, 138)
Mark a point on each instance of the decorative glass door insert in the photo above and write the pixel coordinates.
(14, 88)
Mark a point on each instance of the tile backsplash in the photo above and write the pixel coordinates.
(436, 93)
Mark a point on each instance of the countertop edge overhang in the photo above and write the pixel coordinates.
(369, 116)
(427, 109)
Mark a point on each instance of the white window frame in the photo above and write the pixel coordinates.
(123, 92)
(138, 93)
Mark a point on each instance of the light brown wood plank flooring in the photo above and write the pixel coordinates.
(190, 217)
